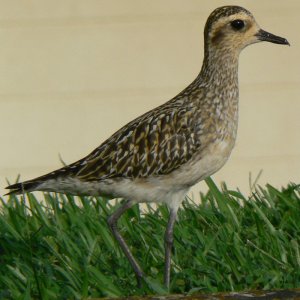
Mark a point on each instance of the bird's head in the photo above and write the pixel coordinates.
(232, 28)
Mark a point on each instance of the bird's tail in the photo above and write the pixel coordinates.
(36, 184)
(59, 181)
(23, 187)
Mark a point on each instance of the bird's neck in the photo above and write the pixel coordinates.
(219, 78)
(220, 70)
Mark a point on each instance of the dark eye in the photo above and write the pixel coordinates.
(237, 24)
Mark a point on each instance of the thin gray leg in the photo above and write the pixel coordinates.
(168, 246)
(112, 222)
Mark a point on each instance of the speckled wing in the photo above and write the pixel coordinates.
(154, 144)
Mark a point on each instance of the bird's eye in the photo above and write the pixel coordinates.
(237, 24)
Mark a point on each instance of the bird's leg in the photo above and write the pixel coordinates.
(112, 222)
(169, 245)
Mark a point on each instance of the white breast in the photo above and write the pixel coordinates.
(207, 163)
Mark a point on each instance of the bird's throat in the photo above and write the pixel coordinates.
(220, 69)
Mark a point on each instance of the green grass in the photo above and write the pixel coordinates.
(60, 247)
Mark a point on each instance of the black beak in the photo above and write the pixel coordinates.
(269, 37)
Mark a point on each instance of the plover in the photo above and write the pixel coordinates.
(158, 156)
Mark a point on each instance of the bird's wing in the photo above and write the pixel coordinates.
(156, 143)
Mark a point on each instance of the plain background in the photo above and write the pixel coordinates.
(72, 72)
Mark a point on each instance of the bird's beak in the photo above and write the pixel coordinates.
(269, 37)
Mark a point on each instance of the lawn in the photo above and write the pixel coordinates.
(60, 247)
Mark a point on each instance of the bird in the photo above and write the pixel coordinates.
(161, 154)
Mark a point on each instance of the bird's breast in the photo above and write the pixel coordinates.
(205, 163)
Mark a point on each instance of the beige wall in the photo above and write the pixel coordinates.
(72, 72)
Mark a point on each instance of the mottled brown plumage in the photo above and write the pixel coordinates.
(161, 154)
